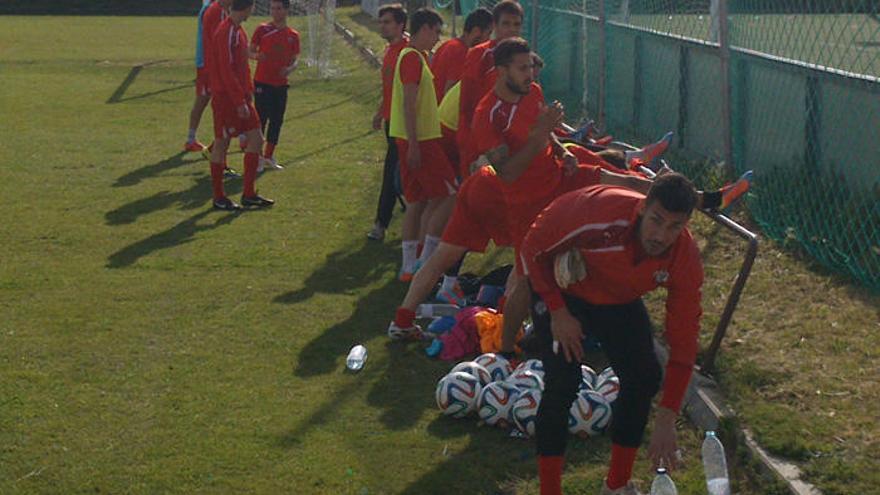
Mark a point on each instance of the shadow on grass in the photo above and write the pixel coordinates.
(196, 196)
(348, 99)
(117, 96)
(152, 170)
(331, 146)
(177, 235)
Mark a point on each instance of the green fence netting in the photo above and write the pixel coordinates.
(798, 102)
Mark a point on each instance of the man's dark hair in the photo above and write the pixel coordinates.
(239, 5)
(675, 192)
(425, 16)
(507, 7)
(509, 48)
(480, 18)
(284, 3)
(396, 10)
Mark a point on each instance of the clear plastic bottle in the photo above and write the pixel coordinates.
(715, 465)
(357, 356)
(663, 484)
(432, 310)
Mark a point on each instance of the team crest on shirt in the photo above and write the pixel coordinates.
(661, 276)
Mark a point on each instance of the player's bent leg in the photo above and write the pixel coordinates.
(410, 237)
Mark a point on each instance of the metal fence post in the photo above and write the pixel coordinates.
(724, 54)
(602, 56)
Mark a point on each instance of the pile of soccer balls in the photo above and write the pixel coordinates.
(506, 397)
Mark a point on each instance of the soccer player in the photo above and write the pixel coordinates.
(203, 88)
(392, 21)
(448, 61)
(428, 177)
(627, 245)
(232, 104)
(275, 45)
(478, 75)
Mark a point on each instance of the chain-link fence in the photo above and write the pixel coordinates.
(787, 88)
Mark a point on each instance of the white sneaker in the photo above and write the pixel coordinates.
(411, 333)
(629, 489)
(377, 233)
(268, 164)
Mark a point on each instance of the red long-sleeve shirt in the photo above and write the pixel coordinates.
(477, 78)
(447, 64)
(230, 72)
(602, 223)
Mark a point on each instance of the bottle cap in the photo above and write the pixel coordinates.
(661, 471)
(710, 433)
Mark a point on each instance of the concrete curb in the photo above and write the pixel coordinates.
(704, 404)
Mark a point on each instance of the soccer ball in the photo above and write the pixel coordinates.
(526, 380)
(474, 369)
(589, 415)
(607, 372)
(588, 378)
(457, 394)
(498, 367)
(535, 365)
(610, 388)
(495, 403)
(525, 411)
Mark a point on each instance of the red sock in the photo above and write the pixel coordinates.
(251, 162)
(217, 179)
(550, 473)
(404, 317)
(270, 148)
(622, 460)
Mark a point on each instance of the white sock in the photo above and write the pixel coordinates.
(409, 255)
(191, 137)
(428, 249)
(449, 282)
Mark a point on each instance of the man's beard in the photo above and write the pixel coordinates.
(516, 89)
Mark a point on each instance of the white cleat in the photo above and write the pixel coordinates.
(268, 164)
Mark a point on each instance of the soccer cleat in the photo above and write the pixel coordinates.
(377, 233)
(733, 192)
(268, 164)
(226, 204)
(629, 489)
(194, 147)
(454, 296)
(409, 333)
(256, 201)
(585, 131)
(404, 276)
(231, 173)
(650, 152)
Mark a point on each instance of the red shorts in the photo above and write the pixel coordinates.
(434, 179)
(479, 215)
(450, 145)
(227, 123)
(203, 82)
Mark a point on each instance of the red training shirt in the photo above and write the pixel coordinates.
(602, 223)
(280, 47)
(447, 64)
(389, 63)
(498, 122)
(231, 74)
(477, 78)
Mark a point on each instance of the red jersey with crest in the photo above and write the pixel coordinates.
(280, 47)
(602, 223)
(230, 72)
(498, 122)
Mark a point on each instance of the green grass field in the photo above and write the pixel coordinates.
(149, 344)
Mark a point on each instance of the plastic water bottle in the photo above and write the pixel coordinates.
(715, 465)
(663, 484)
(432, 310)
(357, 356)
